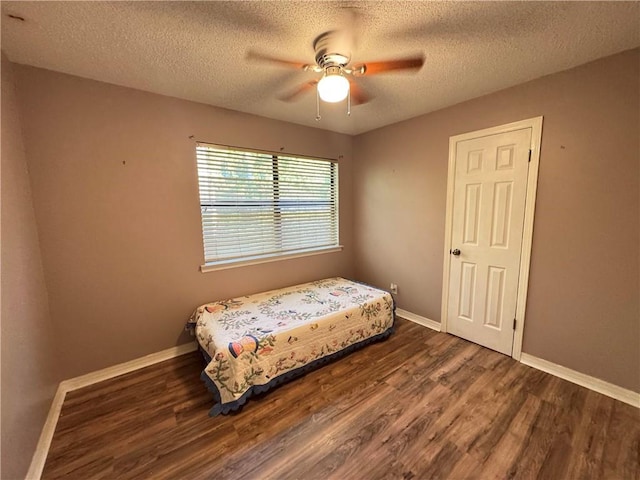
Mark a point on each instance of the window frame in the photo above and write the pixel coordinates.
(221, 264)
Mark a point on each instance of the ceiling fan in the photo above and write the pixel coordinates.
(333, 60)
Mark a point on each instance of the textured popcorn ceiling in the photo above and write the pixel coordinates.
(196, 50)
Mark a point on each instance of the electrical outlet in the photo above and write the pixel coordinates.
(393, 288)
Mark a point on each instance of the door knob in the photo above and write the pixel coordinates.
(455, 252)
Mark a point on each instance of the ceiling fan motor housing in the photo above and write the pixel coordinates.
(327, 47)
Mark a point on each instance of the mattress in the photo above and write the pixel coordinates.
(255, 342)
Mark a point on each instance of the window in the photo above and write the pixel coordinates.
(257, 205)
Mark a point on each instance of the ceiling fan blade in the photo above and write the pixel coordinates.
(294, 94)
(358, 95)
(252, 55)
(374, 68)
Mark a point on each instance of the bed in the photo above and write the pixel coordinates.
(253, 343)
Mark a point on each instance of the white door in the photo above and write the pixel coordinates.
(490, 189)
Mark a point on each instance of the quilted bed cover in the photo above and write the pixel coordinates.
(255, 342)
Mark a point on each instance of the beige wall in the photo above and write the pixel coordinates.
(29, 374)
(583, 307)
(116, 199)
(115, 196)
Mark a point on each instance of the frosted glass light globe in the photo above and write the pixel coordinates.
(333, 88)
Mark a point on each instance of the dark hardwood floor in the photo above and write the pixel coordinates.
(420, 405)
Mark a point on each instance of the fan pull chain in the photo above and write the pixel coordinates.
(349, 103)
(318, 117)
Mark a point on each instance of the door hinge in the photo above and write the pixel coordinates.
(529, 155)
(514, 323)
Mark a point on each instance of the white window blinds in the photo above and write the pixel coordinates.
(258, 204)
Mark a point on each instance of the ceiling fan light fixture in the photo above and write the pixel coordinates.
(333, 87)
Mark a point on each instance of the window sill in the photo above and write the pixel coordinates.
(224, 265)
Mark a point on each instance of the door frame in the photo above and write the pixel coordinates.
(535, 124)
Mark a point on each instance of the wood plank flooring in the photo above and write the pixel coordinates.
(419, 405)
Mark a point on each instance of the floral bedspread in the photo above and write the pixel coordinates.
(252, 340)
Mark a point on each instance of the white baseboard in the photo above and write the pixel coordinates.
(424, 321)
(127, 367)
(44, 442)
(609, 389)
(592, 383)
